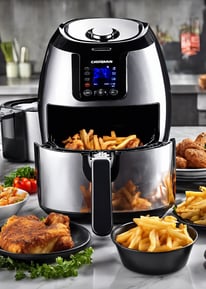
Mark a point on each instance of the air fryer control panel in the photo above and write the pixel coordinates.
(100, 78)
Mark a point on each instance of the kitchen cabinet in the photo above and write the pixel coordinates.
(184, 89)
(184, 109)
(201, 106)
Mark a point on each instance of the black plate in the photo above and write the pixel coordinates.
(189, 185)
(80, 236)
(188, 222)
(191, 174)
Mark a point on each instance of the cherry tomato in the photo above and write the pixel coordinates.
(29, 185)
(33, 185)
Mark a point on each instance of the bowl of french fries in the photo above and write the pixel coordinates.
(11, 201)
(154, 245)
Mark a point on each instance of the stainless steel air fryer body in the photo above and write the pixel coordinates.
(104, 74)
(101, 62)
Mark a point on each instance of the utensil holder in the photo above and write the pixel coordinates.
(11, 70)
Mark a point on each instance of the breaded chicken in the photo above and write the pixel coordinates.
(191, 154)
(187, 143)
(196, 158)
(201, 139)
(181, 163)
(30, 235)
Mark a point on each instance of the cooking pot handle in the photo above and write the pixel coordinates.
(101, 196)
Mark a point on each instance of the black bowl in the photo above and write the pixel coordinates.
(153, 263)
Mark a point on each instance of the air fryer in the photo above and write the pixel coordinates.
(20, 129)
(104, 74)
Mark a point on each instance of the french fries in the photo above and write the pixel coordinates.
(89, 141)
(155, 234)
(10, 195)
(126, 198)
(194, 206)
(129, 198)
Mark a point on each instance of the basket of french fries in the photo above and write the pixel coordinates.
(154, 245)
(129, 180)
(89, 140)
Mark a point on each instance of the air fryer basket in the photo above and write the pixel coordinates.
(150, 169)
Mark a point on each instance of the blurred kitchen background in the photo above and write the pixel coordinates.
(32, 22)
(180, 26)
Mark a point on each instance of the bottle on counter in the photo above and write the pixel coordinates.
(185, 39)
(190, 38)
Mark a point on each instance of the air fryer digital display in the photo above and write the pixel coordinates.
(101, 79)
(105, 76)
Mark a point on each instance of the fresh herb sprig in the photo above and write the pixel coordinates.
(62, 268)
(26, 172)
(7, 49)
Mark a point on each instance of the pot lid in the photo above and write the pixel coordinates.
(103, 29)
(32, 106)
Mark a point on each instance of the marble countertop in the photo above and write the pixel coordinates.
(107, 270)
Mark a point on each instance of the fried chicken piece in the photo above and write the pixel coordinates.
(196, 158)
(201, 139)
(29, 235)
(186, 144)
(181, 163)
(191, 154)
(54, 218)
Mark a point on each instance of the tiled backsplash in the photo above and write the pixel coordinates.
(33, 22)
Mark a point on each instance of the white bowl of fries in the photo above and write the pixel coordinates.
(11, 201)
(154, 245)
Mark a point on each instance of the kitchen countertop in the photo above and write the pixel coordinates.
(107, 270)
(18, 86)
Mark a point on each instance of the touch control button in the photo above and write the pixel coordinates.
(101, 92)
(113, 92)
(87, 92)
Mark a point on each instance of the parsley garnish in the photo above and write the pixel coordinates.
(62, 268)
